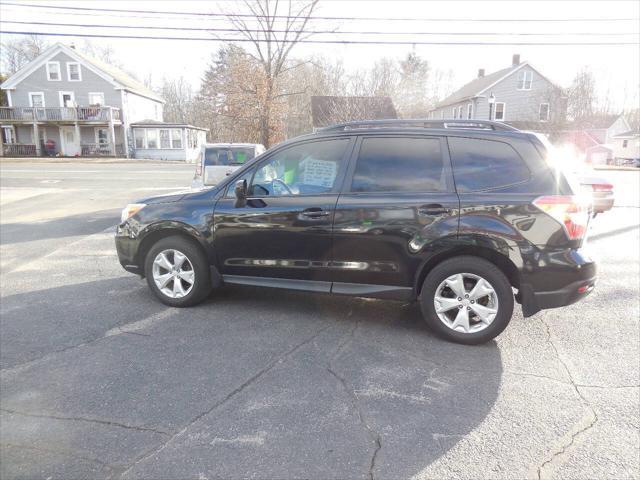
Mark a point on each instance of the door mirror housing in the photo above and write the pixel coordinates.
(240, 190)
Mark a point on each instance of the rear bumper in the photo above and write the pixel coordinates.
(602, 204)
(568, 277)
(566, 296)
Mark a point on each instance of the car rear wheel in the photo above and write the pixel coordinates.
(177, 272)
(467, 300)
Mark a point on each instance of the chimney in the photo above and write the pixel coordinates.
(515, 60)
(480, 72)
(72, 46)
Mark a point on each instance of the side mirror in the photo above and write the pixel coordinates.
(240, 190)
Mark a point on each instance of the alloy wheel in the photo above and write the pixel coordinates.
(466, 302)
(173, 273)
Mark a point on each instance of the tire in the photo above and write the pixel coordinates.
(187, 294)
(445, 278)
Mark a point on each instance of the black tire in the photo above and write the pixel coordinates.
(202, 276)
(476, 266)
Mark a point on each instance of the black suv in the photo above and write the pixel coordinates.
(454, 214)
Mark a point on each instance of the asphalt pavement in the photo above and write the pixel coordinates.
(99, 380)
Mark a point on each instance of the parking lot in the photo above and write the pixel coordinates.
(100, 380)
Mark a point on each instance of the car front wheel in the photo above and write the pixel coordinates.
(467, 300)
(177, 272)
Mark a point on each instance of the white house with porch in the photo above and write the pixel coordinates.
(67, 103)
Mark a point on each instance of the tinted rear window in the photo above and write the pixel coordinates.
(399, 165)
(485, 164)
(227, 156)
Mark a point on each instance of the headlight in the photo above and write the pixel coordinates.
(131, 210)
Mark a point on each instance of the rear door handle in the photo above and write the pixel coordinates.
(315, 213)
(433, 209)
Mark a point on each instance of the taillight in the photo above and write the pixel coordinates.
(571, 212)
(602, 187)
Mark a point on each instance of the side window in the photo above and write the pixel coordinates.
(305, 169)
(485, 164)
(399, 164)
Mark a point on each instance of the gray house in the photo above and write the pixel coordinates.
(67, 103)
(518, 94)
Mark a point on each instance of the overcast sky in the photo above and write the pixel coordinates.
(617, 68)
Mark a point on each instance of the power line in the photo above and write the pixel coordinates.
(339, 42)
(251, 15)
(333, 32)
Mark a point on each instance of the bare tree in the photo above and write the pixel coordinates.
(271, 51)
(16, 53)
(178, 97)
(582, 99)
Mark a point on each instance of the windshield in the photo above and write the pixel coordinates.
(228, 155)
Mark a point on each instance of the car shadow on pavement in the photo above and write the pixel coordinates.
(259, 382)
(68, 226)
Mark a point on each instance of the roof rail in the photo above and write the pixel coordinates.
(400, 123)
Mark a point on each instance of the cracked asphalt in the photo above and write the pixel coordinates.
(99, 380)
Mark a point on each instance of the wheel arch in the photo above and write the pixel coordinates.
(157, 232)
(504, 263)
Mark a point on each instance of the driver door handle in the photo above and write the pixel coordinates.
(315, 212)
(433, 209)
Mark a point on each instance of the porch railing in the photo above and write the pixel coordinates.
(100, 150)
(44, 114)
(18, 150)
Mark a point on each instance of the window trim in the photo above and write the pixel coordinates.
(95, 93)
(504, 111)
(490, 189)
(470, 111)
(31, 99)
(12, 129)
(69, 71)
(342, 170)
(59, 79)
(548, 112)
(61, 93)
(449, 187)
(524, 80)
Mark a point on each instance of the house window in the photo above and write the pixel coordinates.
(96, 98)
(544, 112)
(152, 138)
(36, 99)
(176, 138)
(139, 138)
(524, 79)
(165, 141)
(625, 143)
(102, 136)
(53, 71)
(74, 74)
(460, 112)
(470, 111)
(8, 135)
(500, 110)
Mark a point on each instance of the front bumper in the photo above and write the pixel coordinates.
(127, 249)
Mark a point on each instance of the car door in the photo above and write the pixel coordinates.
(398, 207)
(283, 229)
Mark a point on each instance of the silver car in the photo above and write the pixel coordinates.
(217, 160)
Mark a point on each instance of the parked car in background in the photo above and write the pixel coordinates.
(453, 214)
(592, 185)
(600, 189)
(218, 160)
